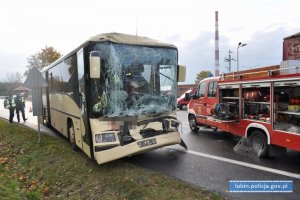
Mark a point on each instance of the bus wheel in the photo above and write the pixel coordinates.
(259, 143)
(72, 137)
(193, 123)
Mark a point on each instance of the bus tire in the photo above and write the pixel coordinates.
(193, 123)
(72, 137)
(259, 143)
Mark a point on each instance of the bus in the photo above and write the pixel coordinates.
(115, 96)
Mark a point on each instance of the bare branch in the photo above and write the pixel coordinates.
(14, 80)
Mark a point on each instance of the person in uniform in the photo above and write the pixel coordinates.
(11, 106)
(20, 105)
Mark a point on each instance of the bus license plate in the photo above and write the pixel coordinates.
(145, 143)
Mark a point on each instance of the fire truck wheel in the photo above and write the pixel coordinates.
(259, 143)
(193, 123)
(183, 107)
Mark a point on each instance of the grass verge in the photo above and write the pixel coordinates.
(51, 170)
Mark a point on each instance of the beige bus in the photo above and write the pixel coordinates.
(115, 96)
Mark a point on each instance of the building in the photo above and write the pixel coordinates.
(23, 90)
(291, 47)
(181, 89)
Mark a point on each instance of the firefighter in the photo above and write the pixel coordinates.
(11, 106)
(20, 105)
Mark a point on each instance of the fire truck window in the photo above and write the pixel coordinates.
(212, 88)
(201, 89)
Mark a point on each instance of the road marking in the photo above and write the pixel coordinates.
(249, 165)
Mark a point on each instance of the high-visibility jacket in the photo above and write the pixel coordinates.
(11, 103)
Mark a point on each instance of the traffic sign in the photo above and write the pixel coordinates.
(35, 81)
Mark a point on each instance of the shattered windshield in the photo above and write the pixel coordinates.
(135, 80)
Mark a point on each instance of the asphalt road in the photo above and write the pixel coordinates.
(210, 161)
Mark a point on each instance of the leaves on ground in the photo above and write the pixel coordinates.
(51, 170)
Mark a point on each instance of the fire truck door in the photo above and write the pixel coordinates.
(201, 102)
(212, 98)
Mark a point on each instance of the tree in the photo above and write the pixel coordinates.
(203, 74)
(42, 59)
(3, 88)
(14, 80)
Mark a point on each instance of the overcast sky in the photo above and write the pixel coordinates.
(28, 26)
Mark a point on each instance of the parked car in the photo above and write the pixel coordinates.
(184, 99)
(5, 101)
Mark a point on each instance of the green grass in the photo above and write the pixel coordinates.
(51, 170)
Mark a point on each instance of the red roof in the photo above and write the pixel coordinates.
(21, 88)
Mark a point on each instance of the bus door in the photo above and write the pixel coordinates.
(85, 142)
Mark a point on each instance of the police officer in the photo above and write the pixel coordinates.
(11, 106)
(20, 105)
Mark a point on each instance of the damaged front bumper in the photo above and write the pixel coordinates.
(137, 147)
(121, 137)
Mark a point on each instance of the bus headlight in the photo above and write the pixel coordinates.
(105, 137)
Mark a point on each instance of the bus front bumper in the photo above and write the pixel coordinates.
(137, 147)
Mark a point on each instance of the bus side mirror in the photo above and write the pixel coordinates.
(181, 73)
(95, 64)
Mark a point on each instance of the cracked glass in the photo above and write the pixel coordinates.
(135, 80)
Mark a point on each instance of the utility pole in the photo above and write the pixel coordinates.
(229, 59)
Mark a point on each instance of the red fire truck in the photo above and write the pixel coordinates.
(260, 104)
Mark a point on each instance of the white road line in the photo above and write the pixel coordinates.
(249, 165)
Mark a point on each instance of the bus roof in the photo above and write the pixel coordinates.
(119, 38)
(129, 39)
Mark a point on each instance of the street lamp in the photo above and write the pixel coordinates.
(237, 54)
